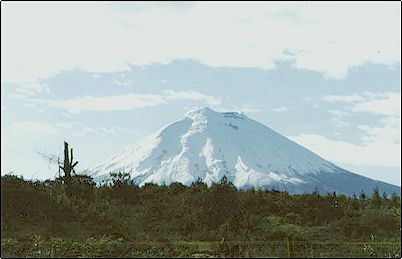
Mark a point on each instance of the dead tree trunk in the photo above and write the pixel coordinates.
(68, 165)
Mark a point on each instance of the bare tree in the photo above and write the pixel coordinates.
(52, 159)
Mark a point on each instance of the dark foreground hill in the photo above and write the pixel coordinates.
(48, 219)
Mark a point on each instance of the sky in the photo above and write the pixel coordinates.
(102, 75)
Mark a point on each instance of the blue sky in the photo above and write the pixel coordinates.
(104, 75)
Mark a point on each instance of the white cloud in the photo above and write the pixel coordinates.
(102, 38)
(34, 127)
(339, 123)
(65, 125)
(383, 99)
(280, 109)
(32, 88)
(339, 113)
(244, 108)
(191, 95)
(388, 104)
(16, 96)
(377, 151)
(338, 118)
(381, 145)
(108, 103)
(249, 109)
(343, 98)
(129, 101)
(384, 134)
(125, 82)
(43, 128)
(27, 91)
(100, 131)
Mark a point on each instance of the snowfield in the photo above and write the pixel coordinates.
(208, 145)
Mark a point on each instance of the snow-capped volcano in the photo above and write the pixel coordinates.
(208, 145)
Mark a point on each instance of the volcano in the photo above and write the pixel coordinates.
(207, 145)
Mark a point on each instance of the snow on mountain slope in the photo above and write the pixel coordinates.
(209, 145)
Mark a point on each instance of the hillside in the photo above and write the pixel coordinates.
(49, 219)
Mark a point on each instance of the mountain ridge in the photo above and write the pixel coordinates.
(208, 145)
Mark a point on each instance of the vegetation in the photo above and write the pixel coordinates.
(53, 219)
